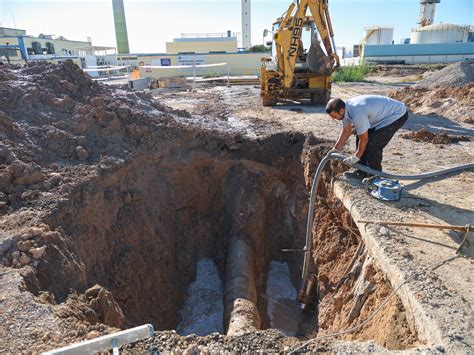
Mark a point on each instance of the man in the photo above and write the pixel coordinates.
(375, 119)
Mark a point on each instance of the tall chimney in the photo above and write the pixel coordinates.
(246, 25)
(120, 27)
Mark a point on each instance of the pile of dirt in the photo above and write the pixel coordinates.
(262, 341)
(58, 130)
(268, 341)
(109, 187)
(453, 102)
(404, 71)
(454, 75)
(55, 119)
(108, 199)
(424, 135)
(97, 305)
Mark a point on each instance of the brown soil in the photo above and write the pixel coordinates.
(108, 199)
(432, 205)
(456, 103)
(436, 138)
(405, 70)
(389, 328)
(336, 242)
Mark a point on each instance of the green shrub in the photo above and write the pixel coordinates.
(351, 73)
(259, 48)
(211, 75)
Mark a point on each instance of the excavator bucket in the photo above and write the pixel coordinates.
(318, 62)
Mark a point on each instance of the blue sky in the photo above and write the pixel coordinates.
(153, 22)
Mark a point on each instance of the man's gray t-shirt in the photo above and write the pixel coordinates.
(372, 111)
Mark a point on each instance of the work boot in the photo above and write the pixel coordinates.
(355, 175)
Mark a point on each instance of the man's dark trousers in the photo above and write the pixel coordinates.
(378, 139)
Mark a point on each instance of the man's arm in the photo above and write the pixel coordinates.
(363, 140)
(343, 137)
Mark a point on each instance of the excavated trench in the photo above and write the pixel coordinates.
(140, 228)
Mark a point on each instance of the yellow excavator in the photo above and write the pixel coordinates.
(295, 73)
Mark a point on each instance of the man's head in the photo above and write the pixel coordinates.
(336, 108)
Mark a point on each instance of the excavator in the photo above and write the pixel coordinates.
(294, 73)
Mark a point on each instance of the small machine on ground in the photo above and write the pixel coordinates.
(295, 73)
(386, 189)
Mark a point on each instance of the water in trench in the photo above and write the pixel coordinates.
(203, 311)
(283, 309)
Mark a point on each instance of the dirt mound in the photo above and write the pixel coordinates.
(454, 75)
(54, 116)
(448, 92)
(407, 70)
(97, 305)
(58, 130)
(456, 103)
(436, 138)
(109, 199)
(109, 187)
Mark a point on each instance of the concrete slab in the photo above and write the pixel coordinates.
(434, 292)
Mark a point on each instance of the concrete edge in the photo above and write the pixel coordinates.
(426, 325)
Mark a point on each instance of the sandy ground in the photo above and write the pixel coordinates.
(75, 158)
(445, 295)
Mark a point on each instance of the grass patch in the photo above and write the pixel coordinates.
(211, 75)
(351, 73)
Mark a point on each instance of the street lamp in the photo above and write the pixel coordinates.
(265, 34)
(7, 54)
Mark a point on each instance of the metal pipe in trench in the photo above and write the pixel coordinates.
(314, 189)
(240, 295)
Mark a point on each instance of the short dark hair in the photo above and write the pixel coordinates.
(335, 105)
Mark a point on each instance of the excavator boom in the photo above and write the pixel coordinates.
(288, 39)
(289, 51)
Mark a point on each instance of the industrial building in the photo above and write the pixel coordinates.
(189, 49)
(428, 43)
(17, 47)
(193, 49)
(197, 49)
(203, 43)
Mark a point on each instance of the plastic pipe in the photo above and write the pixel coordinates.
(106, 342)
(314, 189)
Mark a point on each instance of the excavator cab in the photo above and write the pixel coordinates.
(302, 61)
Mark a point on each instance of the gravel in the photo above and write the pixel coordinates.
(457, 74)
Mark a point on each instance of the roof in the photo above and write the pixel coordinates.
(378, 28)
(442, 27)
(94, 48)
(9, 28)
(205, 39)
(419, 49)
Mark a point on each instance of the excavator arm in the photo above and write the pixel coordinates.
(288, 40)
